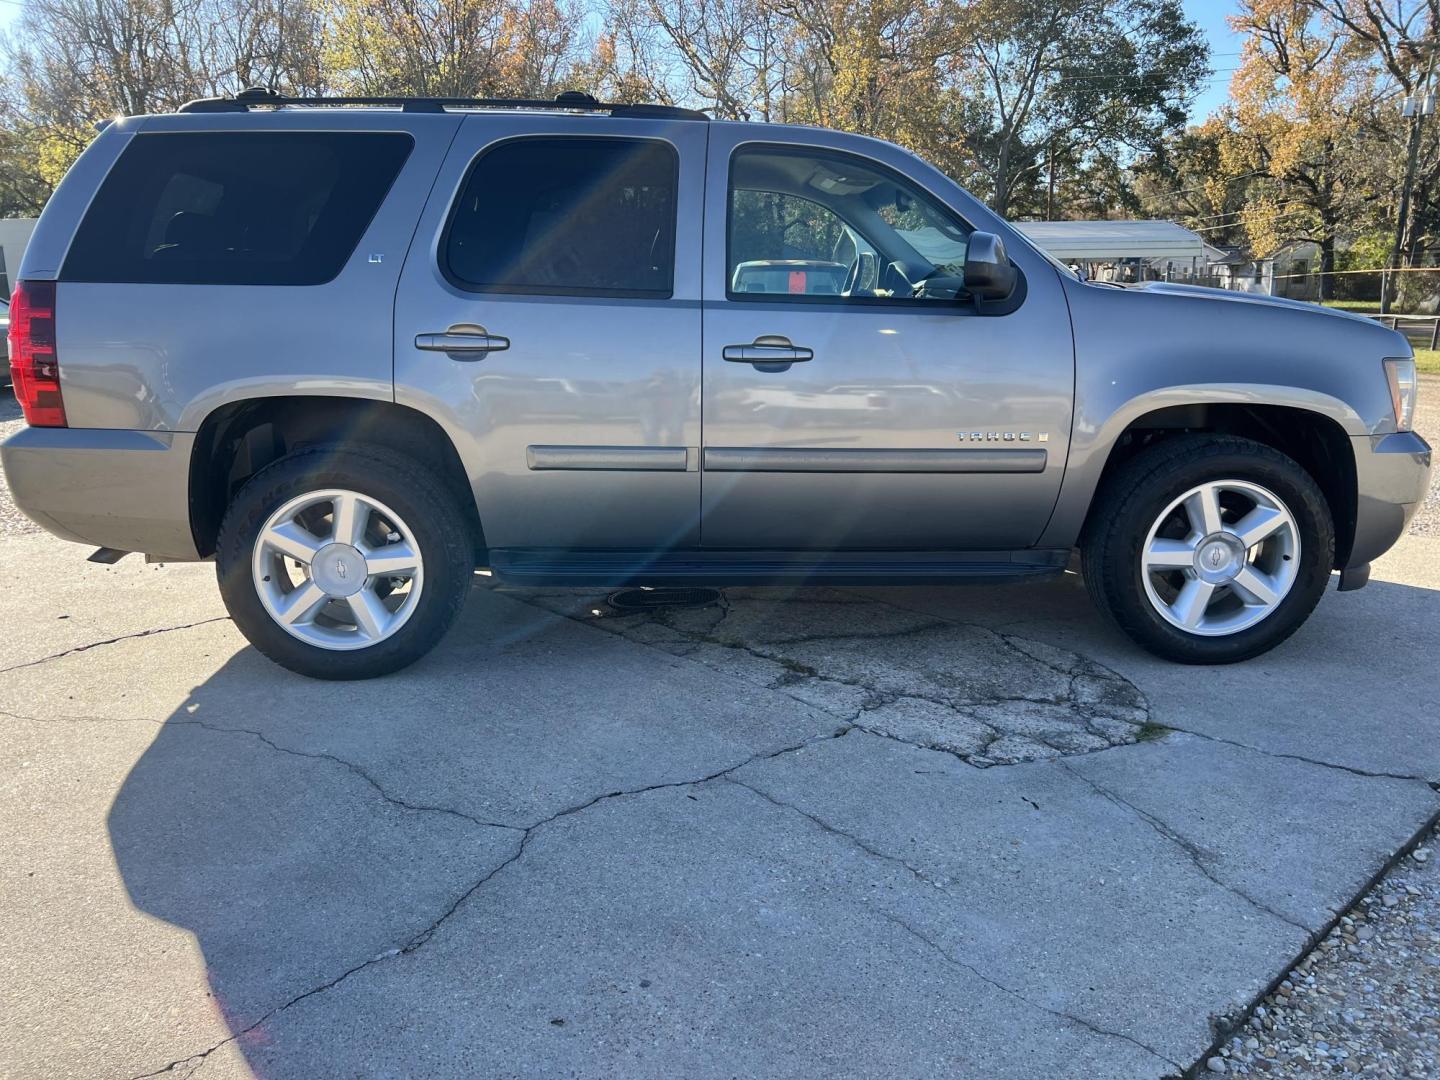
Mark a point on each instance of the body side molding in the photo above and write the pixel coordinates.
(642, 458)
(786, 459)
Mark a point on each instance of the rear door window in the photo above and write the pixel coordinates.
(568, 217)
(235, 208)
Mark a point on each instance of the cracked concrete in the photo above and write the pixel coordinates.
(761, 839)
(988, 697)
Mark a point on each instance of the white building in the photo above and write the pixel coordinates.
(1123, 250)
(14, 235)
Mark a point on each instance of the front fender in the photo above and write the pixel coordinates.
(1094, 438)
(1143, 349)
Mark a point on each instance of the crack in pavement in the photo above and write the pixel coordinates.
(1079, 724)
(1193, 852)
(1015, 641)
(916, 872)
(1059, 1014)
(921, 876)
(1224, 1027)
(1035, 651)
(113, 641)
(320, 755)
(1353, 770)
(1082, 668)
(317, 755)
(527, 833)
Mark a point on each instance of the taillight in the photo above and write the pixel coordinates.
(34, 367)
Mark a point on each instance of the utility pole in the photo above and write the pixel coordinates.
(1417, 106)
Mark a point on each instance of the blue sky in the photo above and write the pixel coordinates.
(1224, 50)
(1210, 14)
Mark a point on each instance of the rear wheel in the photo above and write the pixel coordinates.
(344, 564)
(1209, 549)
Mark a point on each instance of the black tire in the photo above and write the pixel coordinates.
(429, 511)
(1131, 500)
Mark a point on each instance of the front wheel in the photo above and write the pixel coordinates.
(1208, 549)
(343, 564)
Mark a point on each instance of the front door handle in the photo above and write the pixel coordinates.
(463, 341)
(768, 349)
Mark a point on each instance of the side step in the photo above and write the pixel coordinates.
(615, 568)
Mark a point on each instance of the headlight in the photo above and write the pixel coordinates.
(1401, 374)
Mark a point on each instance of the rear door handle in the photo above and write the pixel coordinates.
(463, 341)
(769, 349)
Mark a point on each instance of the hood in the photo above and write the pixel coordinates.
(1171, 288)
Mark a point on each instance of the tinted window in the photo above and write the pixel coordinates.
(567, 216)
(817, 225)
(235, 208)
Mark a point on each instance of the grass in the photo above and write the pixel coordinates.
(1427, 361)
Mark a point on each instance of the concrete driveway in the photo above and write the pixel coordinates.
(908, 832)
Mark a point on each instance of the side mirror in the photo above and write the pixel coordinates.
(989, 273)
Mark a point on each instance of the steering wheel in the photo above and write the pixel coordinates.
(852, 277)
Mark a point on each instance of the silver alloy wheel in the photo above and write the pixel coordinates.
(337, 569)
(1220, 558)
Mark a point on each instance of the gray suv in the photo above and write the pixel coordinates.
(354, 348)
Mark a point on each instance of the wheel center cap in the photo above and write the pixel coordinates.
(340, 570)
(1218, 558)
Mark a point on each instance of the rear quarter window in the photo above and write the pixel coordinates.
(235, 208)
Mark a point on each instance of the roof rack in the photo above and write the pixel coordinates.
(571, 100)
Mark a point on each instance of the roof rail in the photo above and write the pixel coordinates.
(571, 100)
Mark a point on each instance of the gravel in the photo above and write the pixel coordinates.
(12, 521)
(1366, 1002)
(1427, 423)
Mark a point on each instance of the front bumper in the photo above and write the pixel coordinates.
(128, 490)
(1392, 474)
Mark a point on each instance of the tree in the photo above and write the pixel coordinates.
(1183, 180)
(451, 48)
(1402, 37)
(75, 62)
(1079, 80)
(991, 92)
(1300, 123)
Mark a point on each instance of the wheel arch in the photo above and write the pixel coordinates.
(238, 439)
(1317, 439)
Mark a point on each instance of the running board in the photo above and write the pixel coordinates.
(614, 568)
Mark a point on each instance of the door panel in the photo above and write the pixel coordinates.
(583, 430)
(912, 426)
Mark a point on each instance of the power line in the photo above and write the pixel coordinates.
(1232, 224)
(1137, 78)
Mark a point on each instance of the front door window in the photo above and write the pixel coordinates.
(830, 228)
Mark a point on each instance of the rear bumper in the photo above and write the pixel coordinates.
(128, 490)
(1392, 474)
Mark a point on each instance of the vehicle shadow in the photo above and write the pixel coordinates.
(301, 830)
